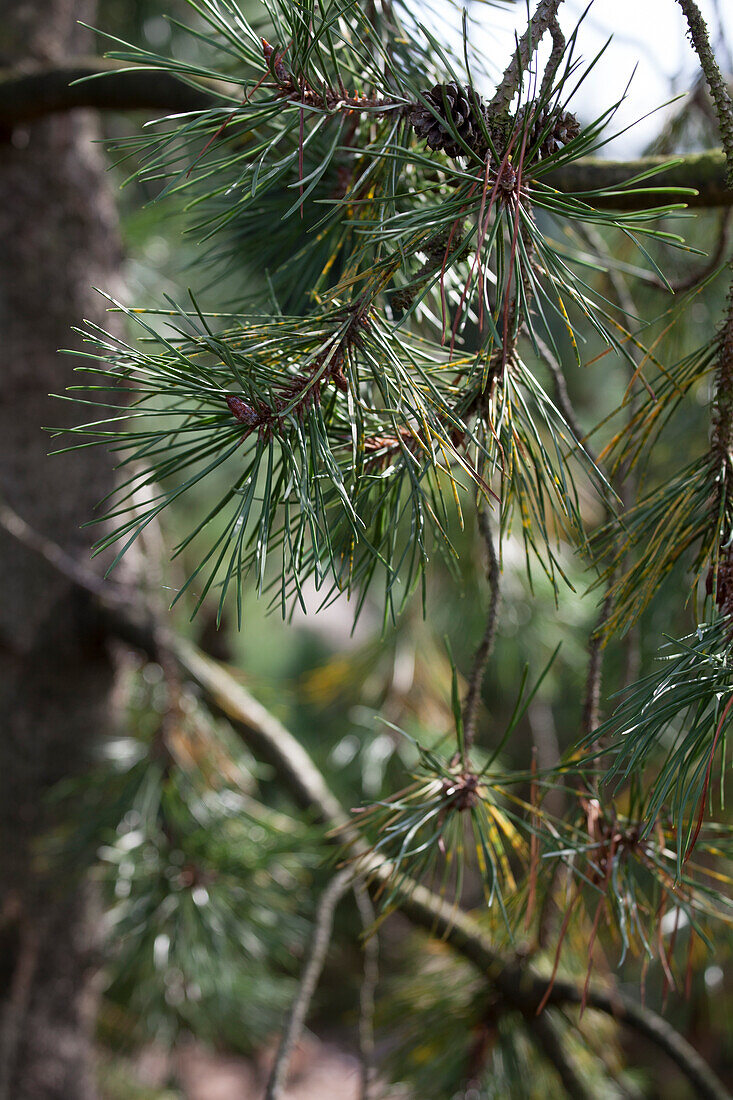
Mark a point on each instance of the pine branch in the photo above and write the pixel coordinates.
(543, 18)
(522, 987)
(31, 94)
(721, 567)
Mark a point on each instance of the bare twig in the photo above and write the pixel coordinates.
(369, 981)
(483, 652)
(543, 18)
(315, 959)
(58, 558)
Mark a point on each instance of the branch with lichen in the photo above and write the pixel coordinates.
(698, 32)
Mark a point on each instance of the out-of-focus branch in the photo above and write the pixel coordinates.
(521, 987)
(562, 396)
(476, 679)
(29, 93)
(367, 995)
(550, 1042)
(705, 172)
(317, 951)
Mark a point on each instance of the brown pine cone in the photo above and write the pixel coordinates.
(563, 127)
(460, 109)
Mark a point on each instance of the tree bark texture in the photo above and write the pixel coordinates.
(58, 238)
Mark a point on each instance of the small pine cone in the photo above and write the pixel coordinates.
(402, 299)
(563, 127)
(460, 106)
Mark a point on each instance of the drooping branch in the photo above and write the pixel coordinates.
(521, 986)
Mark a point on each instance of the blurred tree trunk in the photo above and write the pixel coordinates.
(58, 237)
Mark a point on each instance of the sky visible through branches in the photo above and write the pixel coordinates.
(648, 34)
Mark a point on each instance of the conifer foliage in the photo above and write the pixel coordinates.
(420, 290)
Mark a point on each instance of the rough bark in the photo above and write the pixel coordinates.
(58, 237)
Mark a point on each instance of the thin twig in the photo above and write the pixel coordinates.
(59, 559)
(562, 396)
(547, 1037)
(367, 995)
(317, 951)
(476, 679)
(592, 698)
(542, 19)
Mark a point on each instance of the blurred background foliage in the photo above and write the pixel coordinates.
(202, 858)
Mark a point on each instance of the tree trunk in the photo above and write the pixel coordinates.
(58, 237)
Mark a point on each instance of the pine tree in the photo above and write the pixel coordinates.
(419, 292)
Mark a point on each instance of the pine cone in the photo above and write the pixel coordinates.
(563, 127)
(462, 107)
